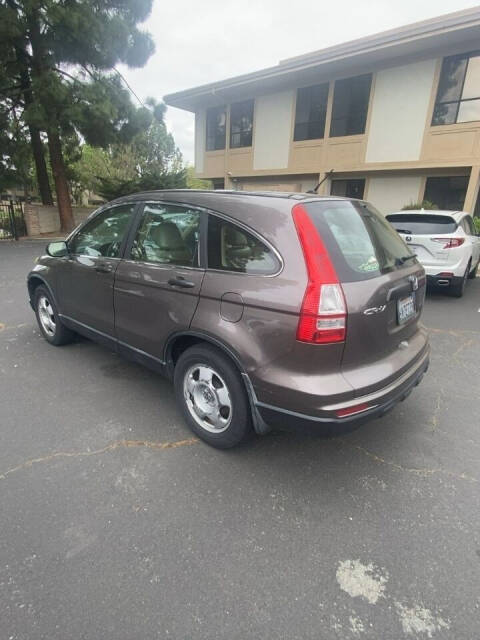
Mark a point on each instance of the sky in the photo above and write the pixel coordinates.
(200, 42)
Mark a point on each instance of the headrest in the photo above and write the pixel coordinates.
(167, 236)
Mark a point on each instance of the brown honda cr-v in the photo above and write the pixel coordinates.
(266, 309)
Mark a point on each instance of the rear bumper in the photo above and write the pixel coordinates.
(381, 402)
(457, 268)
(443, 281)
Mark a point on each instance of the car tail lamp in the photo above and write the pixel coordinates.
(323, 314)
(450, 243)
(350, 411)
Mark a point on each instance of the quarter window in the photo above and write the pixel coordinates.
(103, 236)
(216, 122)
(310, 112)
(231, 248)
(241, 124)
(350, 106)
(458, 95)
(168, 234)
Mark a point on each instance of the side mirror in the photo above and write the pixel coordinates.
(57, 249)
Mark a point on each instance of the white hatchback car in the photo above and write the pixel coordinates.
(445, 242)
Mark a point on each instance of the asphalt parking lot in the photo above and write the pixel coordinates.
(116, 524)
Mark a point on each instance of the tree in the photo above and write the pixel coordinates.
(16, 161)
(196, 183)
(15, 88)
(425, 204)
(59, 61)
(150, 161)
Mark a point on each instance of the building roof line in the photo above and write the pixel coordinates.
(415, 32)
(423, 28)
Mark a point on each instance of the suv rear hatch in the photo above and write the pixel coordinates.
(383, 287)
(428, 236)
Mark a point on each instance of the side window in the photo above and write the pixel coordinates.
(168, 234)
(231, 248)
(103, 235)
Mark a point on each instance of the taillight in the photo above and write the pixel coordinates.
(450, 243)
(323, 313)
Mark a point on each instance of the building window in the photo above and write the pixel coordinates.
(447, 193)
(241, 124)
(348, 188)
(216, 122)
(218, 183)
(458, 95)
(350, 106)
(310, 112)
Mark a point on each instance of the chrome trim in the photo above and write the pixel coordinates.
(162, 265)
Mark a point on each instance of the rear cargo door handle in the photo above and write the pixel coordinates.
(180, 281)
(103, 267)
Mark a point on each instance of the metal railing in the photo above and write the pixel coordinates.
(12, 223)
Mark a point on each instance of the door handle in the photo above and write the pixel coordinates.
(180, 281)
(103, 267)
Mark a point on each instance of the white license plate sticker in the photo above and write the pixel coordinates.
(405, 308)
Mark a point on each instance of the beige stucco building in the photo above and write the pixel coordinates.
(395, 115)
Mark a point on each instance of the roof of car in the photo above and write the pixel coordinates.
(265, 211)
(432, 212)
(292, 195)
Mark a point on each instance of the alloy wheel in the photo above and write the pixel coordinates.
(47, 316)
(207, 398)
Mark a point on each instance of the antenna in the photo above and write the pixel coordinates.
(327, 175)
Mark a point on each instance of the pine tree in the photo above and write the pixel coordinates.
(58, 65)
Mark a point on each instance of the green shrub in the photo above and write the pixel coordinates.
(425, 204)
(476, 222)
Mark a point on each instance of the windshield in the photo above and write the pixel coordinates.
(361, 243)
(422, 224)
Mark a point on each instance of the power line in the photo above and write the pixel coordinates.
(129, 87)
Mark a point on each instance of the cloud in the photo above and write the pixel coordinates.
(199, 43)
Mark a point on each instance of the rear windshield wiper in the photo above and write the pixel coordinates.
(407, 231)
(404, 259)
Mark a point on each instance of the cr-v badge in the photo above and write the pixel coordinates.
(372, 310)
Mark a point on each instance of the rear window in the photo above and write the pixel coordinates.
(361, 243)
(422, 224)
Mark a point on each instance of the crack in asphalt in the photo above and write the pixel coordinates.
(436, 411)
(457, 333)
(126, 444)
(425, 472)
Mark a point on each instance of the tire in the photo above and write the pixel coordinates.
(473, 272)
(52, 328)
(458, 289)
(212, 397)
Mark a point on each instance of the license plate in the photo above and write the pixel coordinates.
(405, 308)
